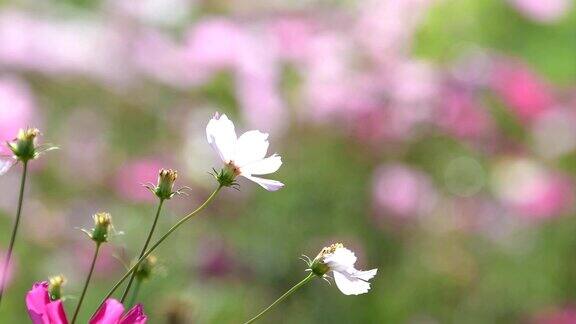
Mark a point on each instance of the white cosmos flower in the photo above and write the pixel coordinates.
(244, 155)
(341, 262)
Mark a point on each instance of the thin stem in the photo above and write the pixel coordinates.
(134, 293)
(157, 243)
(14, 230)
(86, 283)
(286, 294)
(143, 249)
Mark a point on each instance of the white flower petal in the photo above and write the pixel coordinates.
(349, 285)
(270, 185)
(268, 165)
(5, 164)
(222, 136)
(251, 147)
(342, 259)
(365, 275)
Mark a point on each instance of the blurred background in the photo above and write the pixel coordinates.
(435, 138)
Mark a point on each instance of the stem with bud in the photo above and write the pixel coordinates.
(286, 294)
(143, 250)
(157, 243)
(14, 230)
(86, 283)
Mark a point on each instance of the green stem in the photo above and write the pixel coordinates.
(143, 249)
(286, 294)
(156, 244)
(14, 230)
(134, 293)
(86, 283)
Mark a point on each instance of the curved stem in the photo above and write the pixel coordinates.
(86, 283)
(157, 243)
(143, 249)
(286, 294)
(4, 272)
(134, 294)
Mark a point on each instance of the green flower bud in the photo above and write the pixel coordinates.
(24, 145)
(102, 227)
(165, 187)
(318, 266)
(227, 176)
(146, 268)
(55, 284)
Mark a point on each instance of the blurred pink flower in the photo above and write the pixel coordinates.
(565, 315)
(62, 46)
(522, 90)
(530, 190)
(412, 89)
(128, 182)
(402, 192)
(544, 11)
(292, 36)
(258, 84)
(327, 75)
(462, 116)
(163, 59)
(44, 311)
(214, 44)
(385, 29)
(17, 107)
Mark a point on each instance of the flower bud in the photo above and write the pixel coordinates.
(165, 187)
(102, 227)
(146, 267)
(55, 284)
(24, 145)
(227, 176)
(318, 266)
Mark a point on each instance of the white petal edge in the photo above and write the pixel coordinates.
(5, 164)
(268, 165)
(251, 146)
(365, 275)
(221, 135)
(341, 259)
(350, 285)
(270, 185)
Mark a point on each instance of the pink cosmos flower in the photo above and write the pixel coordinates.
(111, 313)
(522, 90)
(44, 311)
